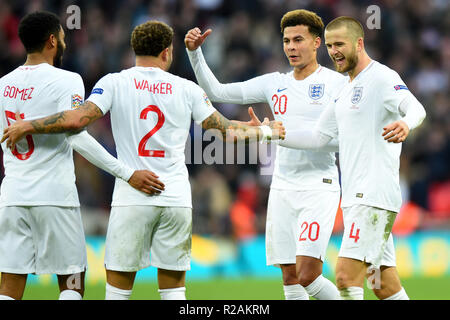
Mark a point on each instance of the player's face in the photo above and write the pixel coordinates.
(341, 49)
(300, 46)
(60, 47)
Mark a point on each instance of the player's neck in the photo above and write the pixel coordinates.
(149, 62)
(38, 58)
(363, 62)
(303, 73)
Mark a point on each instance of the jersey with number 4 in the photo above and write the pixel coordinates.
(298, 104)
(40, 170)
(151, 113)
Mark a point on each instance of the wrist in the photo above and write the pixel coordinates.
(266, 133)
(28, 128)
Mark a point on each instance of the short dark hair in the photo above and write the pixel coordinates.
(35, 29)
(303, 17)
(354, 27)
(151, 38)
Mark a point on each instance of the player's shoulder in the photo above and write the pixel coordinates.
(329, 74)
(276, 75)
(382, 74)
(182, 83)
(7, 78)
(59, 73)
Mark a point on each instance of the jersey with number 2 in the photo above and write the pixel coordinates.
(151, 113)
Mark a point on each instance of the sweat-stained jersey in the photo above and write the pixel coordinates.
(151, 112)
(40, 170)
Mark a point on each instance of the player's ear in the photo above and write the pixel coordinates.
(360, 44)
(317, 43)
(165, 54)
(52, 41)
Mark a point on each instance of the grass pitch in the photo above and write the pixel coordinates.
(240, 289)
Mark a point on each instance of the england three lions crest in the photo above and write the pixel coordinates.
(357, 94)
(316, 91)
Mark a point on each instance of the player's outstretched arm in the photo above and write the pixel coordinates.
(232, 131)
(142, 180)
(295, 139)
(70, 120)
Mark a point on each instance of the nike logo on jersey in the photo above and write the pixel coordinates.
(279, 90)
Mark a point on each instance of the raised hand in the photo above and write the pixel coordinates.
(146, 181)
(13, 133)
(194, 38)
(396, 132)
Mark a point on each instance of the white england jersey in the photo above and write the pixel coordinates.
(151, 112)
(369, 164)
(298, 104)
(40, 170)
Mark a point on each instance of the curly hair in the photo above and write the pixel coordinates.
(303, 17)
(35, 29)
(150, 38)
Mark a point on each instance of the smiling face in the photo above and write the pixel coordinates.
(300, 46)
(342, 48)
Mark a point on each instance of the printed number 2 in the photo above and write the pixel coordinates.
(356, 235)
(310, 231)
(141, 149)
(29, 138)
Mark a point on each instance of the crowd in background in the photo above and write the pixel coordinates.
(231, 199)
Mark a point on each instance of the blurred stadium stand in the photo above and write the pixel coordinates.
(414, 40)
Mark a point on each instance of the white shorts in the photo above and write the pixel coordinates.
(42, 240)
(299, 223)
(140, 236)
(367, 235)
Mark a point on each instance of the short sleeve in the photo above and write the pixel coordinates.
(327, 123)
(202, 107)
(102, 93)
(73, 94)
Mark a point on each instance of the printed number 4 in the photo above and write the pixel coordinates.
(356, 235)
(29, 138)
(141, 149)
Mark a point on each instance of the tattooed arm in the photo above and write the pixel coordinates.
(70, 120)
(233, 131)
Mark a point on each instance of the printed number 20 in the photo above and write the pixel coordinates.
(310, 231)
(280, 104)
(141, 149)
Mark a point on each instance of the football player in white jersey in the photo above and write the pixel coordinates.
(371, 116)
(40, 224)
(151, 112)
(305, 192)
